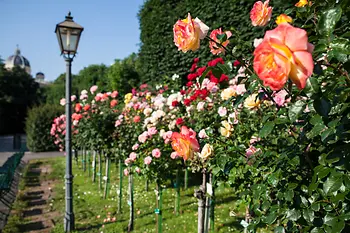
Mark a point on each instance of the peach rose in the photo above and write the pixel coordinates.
(283, 18)
(284, 52)
(214, 47)
(188, 33)
(185, 143)
(261, 13)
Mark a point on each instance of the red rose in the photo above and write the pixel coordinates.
(175, 103)
(179, 121)
(223, 78)
(187, 102)
(137, 119)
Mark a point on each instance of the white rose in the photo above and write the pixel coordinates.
(206, 151)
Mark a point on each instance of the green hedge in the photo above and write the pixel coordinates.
(158, 54)
(38, 125)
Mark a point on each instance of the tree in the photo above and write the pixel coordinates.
(92, 75)
(18, 92)
(123, 75)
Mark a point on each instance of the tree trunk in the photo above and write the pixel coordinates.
(212, 206)
(159, 208)
(146, 185)
(99, 171)
(94, 167)
(177, 187)
(120, 187)
(88, 162)
(108, 161)
(247, 218)
(83, 160)
(131, 202)
(200, 195)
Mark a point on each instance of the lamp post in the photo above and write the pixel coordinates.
(68, 34)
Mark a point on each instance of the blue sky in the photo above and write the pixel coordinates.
(111, 31)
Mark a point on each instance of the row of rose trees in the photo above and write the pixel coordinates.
(274, 124)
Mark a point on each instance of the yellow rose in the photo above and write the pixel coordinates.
(206, 151)
(226, 129)
(283, 18)
(127, 98)
(228, 93)
(303, 3)
(252, 102)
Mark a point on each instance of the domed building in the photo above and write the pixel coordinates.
(18, 60)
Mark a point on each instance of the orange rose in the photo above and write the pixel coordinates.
(185, 142)
(261, 13)
(303, 3)
(283, 18)
(214, 47)
(188, 33)
(284, 52)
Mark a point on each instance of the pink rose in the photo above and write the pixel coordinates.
(240, 89)
(117, 123)
(148, 160)
(156, 153)
(152, 131)
(174, 155)
(200, 106)
(280, 97)
(93, 89)
(73, 98)
(63, 101)
(143, 137)
(222, 111)
(114, 94)
(126, 172)
(128, 161)
(202, 134)
(133, 156)
(138, 170)
(135, 147)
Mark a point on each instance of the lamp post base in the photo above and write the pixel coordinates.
(68, 222)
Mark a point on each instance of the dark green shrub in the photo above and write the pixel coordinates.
(38, 125)
(158, 54)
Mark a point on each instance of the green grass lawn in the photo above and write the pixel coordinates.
(91, 209)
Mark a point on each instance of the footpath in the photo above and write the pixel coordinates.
(37, 214)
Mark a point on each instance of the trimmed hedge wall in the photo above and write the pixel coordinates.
(38, 125)
(158, 54)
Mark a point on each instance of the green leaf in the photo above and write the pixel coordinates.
(325, 134)
(323, 172)
(267, 129)
(328, 20)
(316, 119)
(322, 106)
(315, 206)
(308, 215)
(339, 49)
(271, 218)
(315, 131)
(332, 184)
(293, 214)
(289, 194)
(312, 87)
(295, 110)
(292, 185)
(224, 68)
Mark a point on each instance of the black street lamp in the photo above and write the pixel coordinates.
(68, 34)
